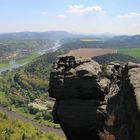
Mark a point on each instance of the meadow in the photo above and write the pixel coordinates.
(28, 58)
(134, 52)
(3, 65)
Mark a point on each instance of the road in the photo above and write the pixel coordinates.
(41, 127)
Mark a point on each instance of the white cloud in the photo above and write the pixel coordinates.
(61, 16)
(81, 9)
(44, 13)
(129, 15)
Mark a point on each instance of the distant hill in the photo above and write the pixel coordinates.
(54, 35)
(113, 42)
(125, 38)
(110, 41)
(10, 42)
(115, 57)
(63, 34)
(35, 35)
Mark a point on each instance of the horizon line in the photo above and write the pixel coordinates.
(80, 33)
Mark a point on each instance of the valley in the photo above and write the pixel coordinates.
(69, 70)
(24, 79)
(16, 62)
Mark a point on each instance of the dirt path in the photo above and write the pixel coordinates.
(42, 127)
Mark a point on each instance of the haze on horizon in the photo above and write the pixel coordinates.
(81, 16)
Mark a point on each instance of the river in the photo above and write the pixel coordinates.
(54, 48)
(14, 65)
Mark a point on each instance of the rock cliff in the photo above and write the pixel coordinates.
(96, 102)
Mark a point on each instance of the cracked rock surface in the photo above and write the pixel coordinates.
(93, 101)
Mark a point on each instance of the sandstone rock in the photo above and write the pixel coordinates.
(123, 108)
(134, 77)
(131, 65)
(76, 78)
(116, 65)
(78, 121)
(112, 70)
(78, 86)
(96, 102)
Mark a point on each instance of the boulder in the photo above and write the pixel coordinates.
(76, 78)
(79, 87)
(95, 102)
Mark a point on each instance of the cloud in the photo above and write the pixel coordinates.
(129, 15)
(61, 16)
(81, 9)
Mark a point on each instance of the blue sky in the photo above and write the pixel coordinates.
(81, 16)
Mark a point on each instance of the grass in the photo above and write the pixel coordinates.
(134, 52)
(22, 112)
(22, 60)
(50, 124)
(3, 98)
(16, 129)
(28, 58)
(3, 65)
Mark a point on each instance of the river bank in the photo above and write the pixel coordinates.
(14, 64)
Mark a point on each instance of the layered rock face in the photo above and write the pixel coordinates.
(123, 109)
(93, 101)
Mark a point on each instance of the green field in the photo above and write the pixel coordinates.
(27, 59)
(135, 52)
(22, 60)
(3, 65)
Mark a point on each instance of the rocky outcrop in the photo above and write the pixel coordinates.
(124, 108)
(96, 102)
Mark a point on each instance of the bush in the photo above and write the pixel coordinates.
(33, 110)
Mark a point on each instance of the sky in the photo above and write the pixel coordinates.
(77, 16)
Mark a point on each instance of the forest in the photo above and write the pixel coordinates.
(21, 87)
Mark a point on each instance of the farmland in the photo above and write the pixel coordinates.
(90, 52)
(134, 52)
